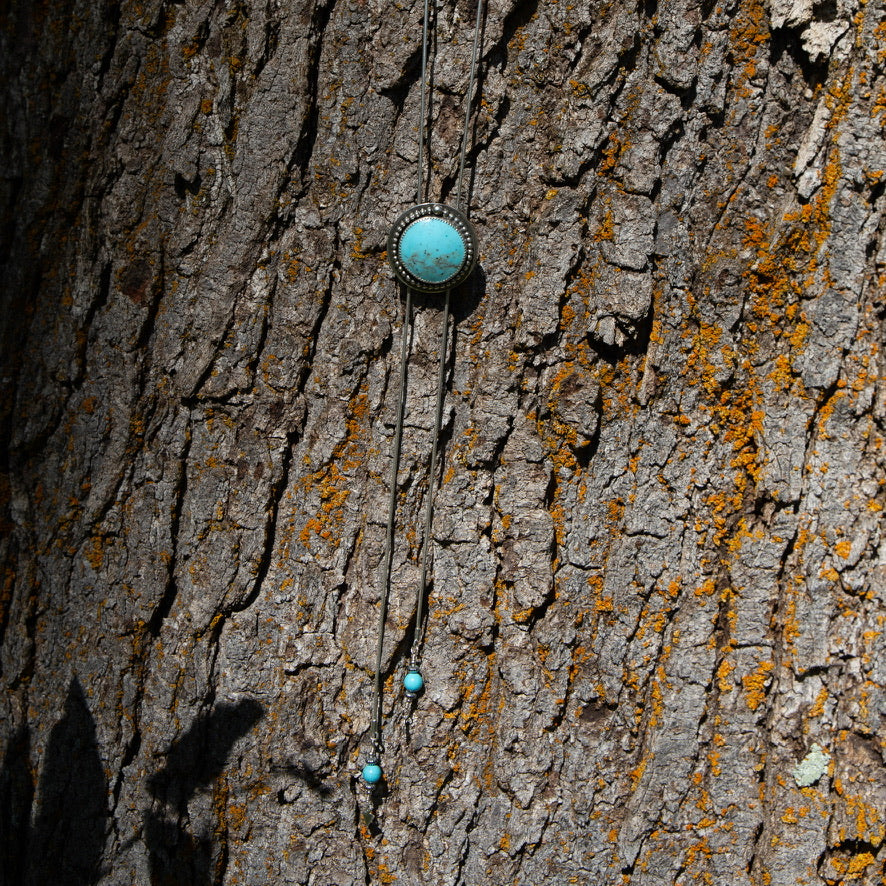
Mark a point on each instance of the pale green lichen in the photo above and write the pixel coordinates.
(812, 767)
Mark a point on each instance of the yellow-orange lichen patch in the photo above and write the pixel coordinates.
(748, 35)
(95, 553)
(817, 708)
(755, 684)
(724, 675)
(333, 481)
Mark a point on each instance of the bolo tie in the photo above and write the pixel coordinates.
(432, 248)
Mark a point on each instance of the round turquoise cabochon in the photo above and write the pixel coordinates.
(432, 249)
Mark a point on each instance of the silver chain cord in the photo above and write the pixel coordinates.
(468, 104)
(415, 657)
(377, 718)
(389, 530)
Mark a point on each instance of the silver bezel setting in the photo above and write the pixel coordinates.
(458, 221)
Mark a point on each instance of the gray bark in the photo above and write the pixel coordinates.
(656, 650)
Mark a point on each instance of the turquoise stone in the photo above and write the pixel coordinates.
(432, 249)
(371, 773)
(413, 682)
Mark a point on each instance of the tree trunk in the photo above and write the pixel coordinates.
(656, 649)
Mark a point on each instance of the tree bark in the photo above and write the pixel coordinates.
(656, 650)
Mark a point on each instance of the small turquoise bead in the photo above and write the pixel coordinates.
(371, 773)
(432, 249)
(413, 681)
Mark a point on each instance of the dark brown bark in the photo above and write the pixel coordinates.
(656, 646)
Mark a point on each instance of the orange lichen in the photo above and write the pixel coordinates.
(637, 772)
(843, 548)
(333, 481)
(384, 874)
(748, 36)
(724, 675)
(754, 684)
(817, 708)
(95, 553)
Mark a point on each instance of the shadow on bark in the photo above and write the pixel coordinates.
(66, 842)
(16, 797)
(193, 762)
(465, 298)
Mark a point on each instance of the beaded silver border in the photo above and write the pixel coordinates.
(461, 224)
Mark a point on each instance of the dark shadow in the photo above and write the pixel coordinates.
(466, 299)
(789, 42)
(67, 840)
(193, 762)
(16, 797)
(463, 300)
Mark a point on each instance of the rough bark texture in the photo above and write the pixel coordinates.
(659, 560)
